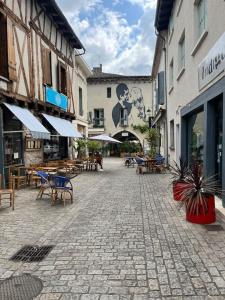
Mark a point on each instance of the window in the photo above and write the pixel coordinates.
(81, 112)
(62, 78)
(47, 66)
(98, 118)
(161, 87)
(171, 25)
(7, 49)
(123, 117)
(172, 134)
(201, 16)
(196, 137)
(109, 92)
(3, 47)
(171, 74)
(181, 53)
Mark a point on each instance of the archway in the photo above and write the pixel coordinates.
(130, 143)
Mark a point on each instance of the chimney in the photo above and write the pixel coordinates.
(97, 70)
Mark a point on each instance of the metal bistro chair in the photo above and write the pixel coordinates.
(63, 186)
(45, 184)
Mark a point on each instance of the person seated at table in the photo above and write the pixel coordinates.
(98, 159)
(140, 163)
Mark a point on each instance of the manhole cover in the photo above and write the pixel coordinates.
(32, 253)
(23, 287)
(214, 227)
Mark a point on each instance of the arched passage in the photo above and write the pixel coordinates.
(130, 143)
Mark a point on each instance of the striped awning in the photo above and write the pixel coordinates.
(37, 130)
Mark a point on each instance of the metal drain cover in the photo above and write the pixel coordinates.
(23, 287)
(31, 253)
(215, 227)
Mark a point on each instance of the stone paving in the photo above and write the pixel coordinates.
(122, 238)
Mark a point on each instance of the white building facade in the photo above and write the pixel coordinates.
(194, 40)
(116, 103)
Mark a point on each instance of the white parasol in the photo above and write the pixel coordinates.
(104, 138)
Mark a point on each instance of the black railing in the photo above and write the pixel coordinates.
(98, 123)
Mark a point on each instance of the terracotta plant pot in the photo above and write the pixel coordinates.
(209, 216)
(178, 188)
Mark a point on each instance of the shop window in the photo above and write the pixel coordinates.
(109, 92)
(13, 139)
(172, 134)
(47, 66)
(196, 137)
(62, 78)
(81, 112)
(98, 118)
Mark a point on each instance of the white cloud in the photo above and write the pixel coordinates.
(145, 4)
(110, 40)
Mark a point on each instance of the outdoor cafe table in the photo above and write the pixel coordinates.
(150, 164)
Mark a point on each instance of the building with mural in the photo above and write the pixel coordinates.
(116, 103)
(42, 84)
(193, 38)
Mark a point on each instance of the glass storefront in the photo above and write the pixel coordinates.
(196, 138)
(55, 148)
(13, 139)
(219, 139)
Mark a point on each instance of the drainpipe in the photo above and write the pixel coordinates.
(165, 89)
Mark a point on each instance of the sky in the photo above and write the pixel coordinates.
(119, 34)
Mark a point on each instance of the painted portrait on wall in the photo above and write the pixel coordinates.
(126, 100)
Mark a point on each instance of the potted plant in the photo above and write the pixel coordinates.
(198, 197)
(179, 173)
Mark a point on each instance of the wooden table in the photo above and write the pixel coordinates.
(150, 165)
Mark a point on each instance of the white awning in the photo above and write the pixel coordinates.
(37, 130)
(63, 127)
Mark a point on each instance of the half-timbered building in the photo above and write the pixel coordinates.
(39, 69)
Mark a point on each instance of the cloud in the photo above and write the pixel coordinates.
(108, 37)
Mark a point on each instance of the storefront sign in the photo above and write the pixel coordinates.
(213, 64)
(56, 98)
(124, 133)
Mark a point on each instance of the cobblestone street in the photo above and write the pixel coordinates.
(122, 238)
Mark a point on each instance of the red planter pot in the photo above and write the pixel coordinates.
(178, 188)
(209, 216)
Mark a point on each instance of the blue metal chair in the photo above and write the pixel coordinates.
(63, 186)
(45, 184)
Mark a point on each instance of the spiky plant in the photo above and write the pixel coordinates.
(179, 171)
(197, 189)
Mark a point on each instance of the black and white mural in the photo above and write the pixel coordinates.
(127, 99)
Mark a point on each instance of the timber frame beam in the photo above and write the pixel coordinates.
(51, 46)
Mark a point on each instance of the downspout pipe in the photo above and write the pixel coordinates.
(158, 34)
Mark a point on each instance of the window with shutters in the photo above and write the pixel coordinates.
(47, 66)
(3, 47)
(62, 78)
(81, 112)
(98, 120)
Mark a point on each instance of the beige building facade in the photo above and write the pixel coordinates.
(41, 72)
(116, 103)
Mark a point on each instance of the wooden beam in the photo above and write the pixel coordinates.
(51, 46)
